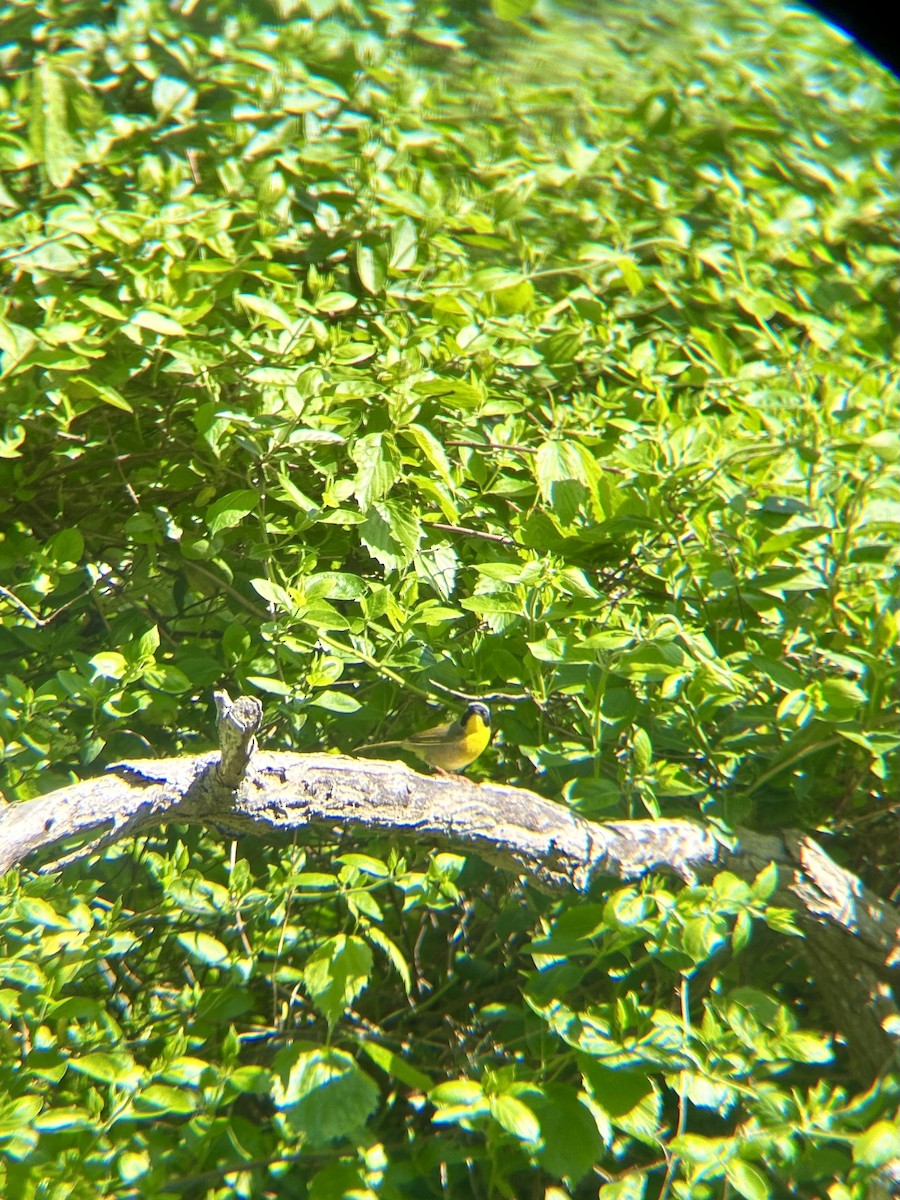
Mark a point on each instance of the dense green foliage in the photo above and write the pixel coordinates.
(371, 357)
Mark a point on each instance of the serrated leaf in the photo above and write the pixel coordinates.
(336, 973)
(322, 1093)
(391, 533)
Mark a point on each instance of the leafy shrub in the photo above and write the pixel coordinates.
(368, 357)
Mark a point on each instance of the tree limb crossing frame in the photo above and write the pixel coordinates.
(852, 938)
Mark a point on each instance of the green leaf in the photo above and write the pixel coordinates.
(52, 88)
(515, 1117)
(630, 1187)
(700, 1150)
(572, 1144)
(366, 864)
(747, 1180)
(109, 395)
(631, 273)
(267, 309)
(133, 1165)
(879, 1145)
(173, 97)
(272, 687)
(371, 267)
(16, 343)
(322, 1093)
(378, 467)
(157, 322)
(272, 593)
(61, 1119)
(512, 10)
(453, 392)
(643, 749)
(404, 244)
(314, 881)
(252, 1080)
(335, 302)
(159, 1099)
(432, 449)
(380, 939)
(765, 883)
(391, 533)
(340, 1181)
(459, 1102)
(35, 911)
(109, 665)
(118, 1069)
(566, 475)
(395, 1066)
(618, 1092)
(549, 367)
(230, 510)
(204, 948)
(336, 974)
(335, 702)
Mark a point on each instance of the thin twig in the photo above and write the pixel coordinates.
(478, 533)
(32, 616)
(493, 446)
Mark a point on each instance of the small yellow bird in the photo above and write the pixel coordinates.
(448, 747)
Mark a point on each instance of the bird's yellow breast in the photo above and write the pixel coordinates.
(457, 752)
(475, 736)
(477, 729)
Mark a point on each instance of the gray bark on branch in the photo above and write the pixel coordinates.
(852, 937)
